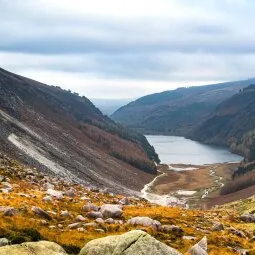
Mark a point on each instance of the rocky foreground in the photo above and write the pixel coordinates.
(45, 215)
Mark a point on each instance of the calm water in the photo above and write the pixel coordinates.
(174, 150)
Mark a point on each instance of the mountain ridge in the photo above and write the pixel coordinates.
(58, 130)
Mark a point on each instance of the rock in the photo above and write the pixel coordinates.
(94, 215)
(99, 230)
(134, 242)
(218, 227)
(173, 229)
(200, 248)
(237, 232)
(124, 201)
(111, 211)
(10, 212)
(241, 251)
(90, 207)
(70, 193)
(99, 220)
(54, 193)
(80, 218)
(192, 238)
(248, 218)
(4, 242)
(41, 213)
(35, 248)
(146, 222)
(47, 199)
(2, 178)
(65, 214)
(74, 225)
(110, 221)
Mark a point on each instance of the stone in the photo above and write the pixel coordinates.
(70, 193)
(248, 218)
(134, 242)
(99, 220)
(111, 211)
(4, 242)
(55, 193)
(200, 248)
(94, 215)
(237, 232)
(35, 248)
(192, 238)
(47, 199)
(65, 214)
(90, 224)
(146, 222)
(10, 212)
(74, 225)
(41, 213)
(110, 221)
(99, 230)
(90, 207)
(218, 227)
(80, 218)
(173, 229)
(124, 201)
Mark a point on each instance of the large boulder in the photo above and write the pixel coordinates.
(146, 222)
(41, 213)
(248, 218)
(134, 242)
(111, 211)
(35, 248)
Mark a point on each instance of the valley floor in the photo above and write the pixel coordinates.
(194, 186)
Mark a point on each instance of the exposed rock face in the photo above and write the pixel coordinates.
(146, 222)
(200, 248)
(134, 242)
(36, 248)
(111, 211)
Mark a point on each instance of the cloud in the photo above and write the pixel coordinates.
(112, 45)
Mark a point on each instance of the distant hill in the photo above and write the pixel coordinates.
(176, 112)
(109, 106)
(61, 132)
(232, 124)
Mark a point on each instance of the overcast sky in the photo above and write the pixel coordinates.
(128, 48)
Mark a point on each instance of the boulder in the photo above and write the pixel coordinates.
(74, 225)
(80, 218)
(4, 242)
(41, 213)
(200, 248)
(111, 211)
(94, 215)
(124, 201)
(146, 222)
(10, 212)
(47, 199)
(65, 214)
(33, 248)
(218, 227)
(134, 242)
(248, 218)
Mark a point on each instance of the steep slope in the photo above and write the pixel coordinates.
(178, 111)
(232, 124)
(61, 132)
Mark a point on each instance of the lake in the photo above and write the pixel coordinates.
(175, 150)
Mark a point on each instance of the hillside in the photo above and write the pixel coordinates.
(232, 124)
(66, 134)
(36, 207)
(178, 111)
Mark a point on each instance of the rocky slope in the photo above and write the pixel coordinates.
(176, 112)
(66, 134)
(45, 208)
(232, 124)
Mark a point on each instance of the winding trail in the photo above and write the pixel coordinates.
(218, 182)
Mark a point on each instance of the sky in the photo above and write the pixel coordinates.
(128, 48)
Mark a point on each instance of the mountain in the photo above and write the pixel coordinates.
(178, 111)
(232, 124)
(59, 131)
(109, 106)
